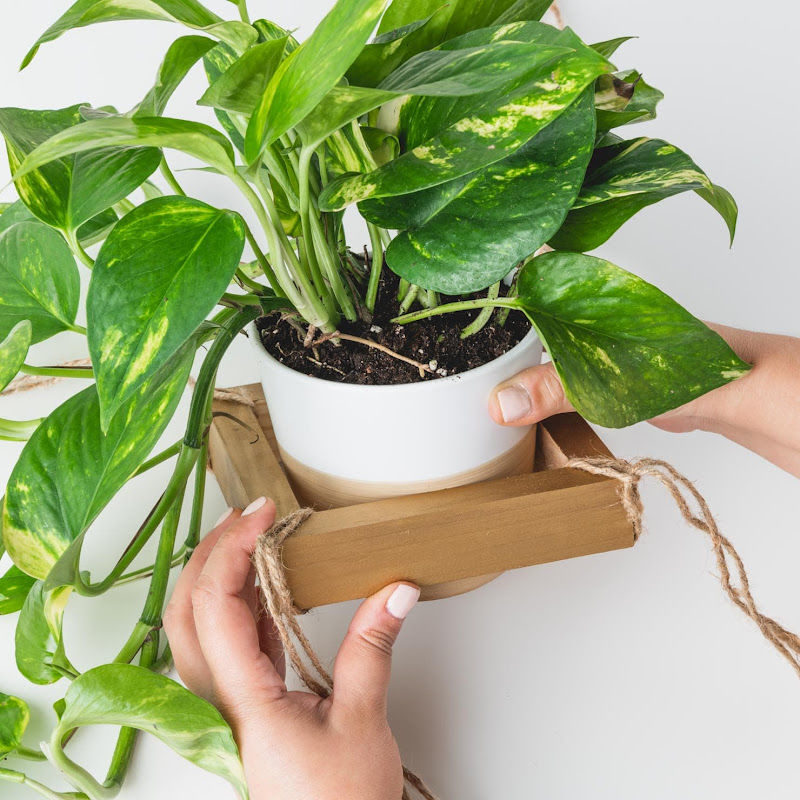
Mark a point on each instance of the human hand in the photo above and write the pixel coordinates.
(294, 745)
(760, 411)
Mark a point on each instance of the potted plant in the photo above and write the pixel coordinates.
(469, 135)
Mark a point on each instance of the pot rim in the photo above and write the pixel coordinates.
(418, 386)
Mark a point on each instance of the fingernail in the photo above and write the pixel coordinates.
(225, 515)
(514, 402)
(254, 506)
(402, 600)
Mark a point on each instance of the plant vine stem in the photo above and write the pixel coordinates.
(29, 755)
(164, 455)
(12, 430)
(410, 297)
(75, 774)
(59, 372)
(145, 572)
(242, 4)
(485, 314)
(71, 238)
(266, 267)
(463, 305)
(170, 178)
(376, 267)
(20, 777)
(198, 497)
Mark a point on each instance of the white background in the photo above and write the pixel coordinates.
(622, 676)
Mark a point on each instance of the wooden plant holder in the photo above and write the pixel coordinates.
(548, 514)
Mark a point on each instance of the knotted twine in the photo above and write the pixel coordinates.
(278, 602)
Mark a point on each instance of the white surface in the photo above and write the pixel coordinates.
(436, 414)
(616, 677)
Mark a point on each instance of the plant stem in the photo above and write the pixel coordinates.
(266, 267)
(164, 455)
(59, 372)
(12, 430)
(376, 267)
(170, 178)
(146, 572)
(242, 4)
(485, 314)
(463, 305)
(77, 249)
(74, 773)
(20, 777)
(410, 297)
(198, 497)
(29, 755)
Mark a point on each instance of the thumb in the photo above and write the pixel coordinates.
(530, 396)
(363, 666)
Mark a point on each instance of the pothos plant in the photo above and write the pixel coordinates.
(469, 134)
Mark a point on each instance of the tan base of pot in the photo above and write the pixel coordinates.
(321, 490)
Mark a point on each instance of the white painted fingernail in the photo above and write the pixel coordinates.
(402, 600)
(254, 506)
(514, 402)
(225, 515)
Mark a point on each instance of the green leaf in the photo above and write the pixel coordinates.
(182, 55)
(311, 71)
(96, 229)
(13, 350)
(468, 239)
(523, 11)
(623, 179)
(623, 349)
(14, 588)
(157, 277)
(90, 12)
(624, 98)
(39, 280)
(134, 697)
(608, 47)
(14, 716)
(471, 133)
(193, 138)
(242, 85)
(721, 200)
(70, 470)
(38, 641)
(68, 191)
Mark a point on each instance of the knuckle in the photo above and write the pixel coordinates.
(204, 591)
(547, 390)
(377, 640)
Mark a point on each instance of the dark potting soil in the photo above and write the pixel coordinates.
(435, 342)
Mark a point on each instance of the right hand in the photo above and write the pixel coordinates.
(760, 411)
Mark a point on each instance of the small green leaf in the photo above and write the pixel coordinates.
(624, 350)
(623, 179)
(721, 200)
(90, 12)
(182, 55)
(38, 642)
(157, 277)
(242, 85)
(311, 71)
(14, 588)
(608, 47)
(193, 138)
(470, 234)
(14, 717)
(624, 98)
(134, 697)
(38, 280)
(13, 350)
(70, 470)
(69, 191)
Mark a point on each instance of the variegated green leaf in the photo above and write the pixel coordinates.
(134, 697)
(468, 134)
(242, 85)
(624, 98)
(182, 55)
(623, 349)
(623, 179)
(90, 12)
(68, 191)
(14, 717)
(311, 71)
(465, 240)
(38, 641)
(13, 350)
(157, 277)
(14, 588)
(39, 280)
(69, 470)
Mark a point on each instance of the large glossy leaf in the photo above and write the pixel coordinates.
(624, 98)
(193, 138)
(242, 85)
(39, 280)
(311, 71)
(71, 190)
(134, 697)
(14, 588)
(90, 12)
(69, 470)
(38, 641)
(14, 716)
(626, 177)
(13, 350)
(624, 350)
(182, 55)
(468, 134)
(157, 277)
(467, 240)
